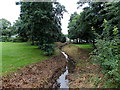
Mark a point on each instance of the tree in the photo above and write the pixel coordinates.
(72, 32)
(107, 37)
(41, 22)
(93, 17)
(4, 23)
(107, 55)
(98, 11)
(5, 29)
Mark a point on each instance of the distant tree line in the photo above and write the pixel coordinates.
(6, 30)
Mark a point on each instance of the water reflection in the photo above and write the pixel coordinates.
(62, 81)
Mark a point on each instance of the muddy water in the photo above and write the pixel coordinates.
(62, 81)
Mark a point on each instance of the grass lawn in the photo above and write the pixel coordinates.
(84, 45)
(87, 47)
(16, 55)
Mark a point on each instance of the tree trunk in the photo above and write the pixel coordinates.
(77, 40)
(86, 40)
(32, 41)
(94, 43)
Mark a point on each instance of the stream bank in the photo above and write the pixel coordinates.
(38, 75)
(63, 81)
(77, 71)
(85, 72)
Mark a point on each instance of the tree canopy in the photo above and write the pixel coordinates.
(93, 17)
(40, 22)
(5, 29)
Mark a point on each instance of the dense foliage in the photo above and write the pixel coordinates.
(5, 30)
(41, 22)
(99, 23)
(107, 54)
(93, 16)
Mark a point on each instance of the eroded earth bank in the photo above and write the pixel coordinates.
(38, 75)
(81, 72)
(85, 72)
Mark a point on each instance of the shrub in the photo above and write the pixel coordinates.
(107, 54)
(5, 38)
(17, 39)
(47, 48)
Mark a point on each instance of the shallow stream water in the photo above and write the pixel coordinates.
(62, 81)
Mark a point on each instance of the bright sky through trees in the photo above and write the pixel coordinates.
(11, 12)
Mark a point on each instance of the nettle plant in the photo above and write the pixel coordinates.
(108, 56)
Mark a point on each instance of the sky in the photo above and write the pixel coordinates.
(71, 7)
(10, 11)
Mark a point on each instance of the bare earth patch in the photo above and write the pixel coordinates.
(38, 75)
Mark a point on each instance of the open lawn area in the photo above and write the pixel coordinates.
(87, 47)
(16, 55)
(84, 45)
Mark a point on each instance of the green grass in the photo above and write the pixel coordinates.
(84, 45)
(87, 47)
(16, 55)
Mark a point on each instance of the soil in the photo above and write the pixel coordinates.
(44, 74)
(38, 75)
(85, 72)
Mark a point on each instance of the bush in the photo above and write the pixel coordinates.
(48, 49)
(17, 39)
(107, 54)
(11, 39)
(5, 38)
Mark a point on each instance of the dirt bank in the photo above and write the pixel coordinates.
(85, 72)
(38, 75)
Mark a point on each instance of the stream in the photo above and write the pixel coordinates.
(62, 81)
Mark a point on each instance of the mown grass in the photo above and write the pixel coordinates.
(16, 55)
(87, 47)
(84, 45)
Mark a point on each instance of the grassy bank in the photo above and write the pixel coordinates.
(87, 47)
(84, 45)
(78, 51)
(16, 55)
